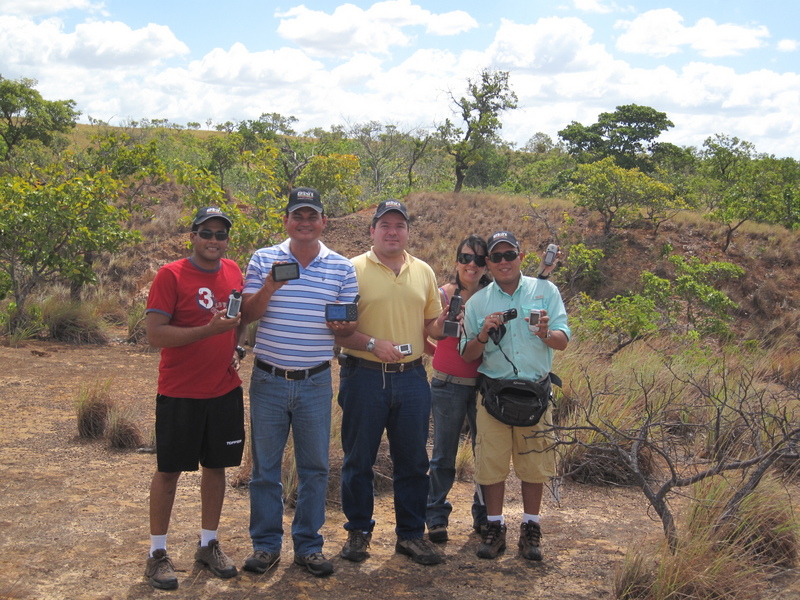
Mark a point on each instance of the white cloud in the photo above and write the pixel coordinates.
(593, 6)
(551, 45)
(788, 45)
(350, 29)
(34, 8)
(93, 45)
(661, 33)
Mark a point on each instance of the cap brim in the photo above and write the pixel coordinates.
(304, 205)
(209, 217)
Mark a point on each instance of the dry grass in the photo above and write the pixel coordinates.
(92, 406)
(73, 321)
(123, 432)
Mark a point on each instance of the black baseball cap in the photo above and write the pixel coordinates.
(391, 204)
(502, 236)
(304, 197)
(211, 212)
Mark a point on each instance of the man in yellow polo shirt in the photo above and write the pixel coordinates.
(383, 385)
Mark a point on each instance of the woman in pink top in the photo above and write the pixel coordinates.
(453, 392)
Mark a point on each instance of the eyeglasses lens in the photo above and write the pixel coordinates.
(465, 259)
(509, 255)
(207, 235)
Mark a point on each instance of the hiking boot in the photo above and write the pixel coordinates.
(216, 560)
(530, 535)
(316, 563)
(438, 534)
(355, 548)
(160, 572)
(494, 540)
(479, 528)
(420, 551)
(259, 561)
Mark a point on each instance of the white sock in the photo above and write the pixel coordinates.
(206, 535)
(500, 518)
(158, 542)
(526, 517)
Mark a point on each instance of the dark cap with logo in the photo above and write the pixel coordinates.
(391, 204)
(211, 212)
(304, 197)
(502, 236)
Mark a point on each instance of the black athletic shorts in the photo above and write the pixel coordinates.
(206, 431)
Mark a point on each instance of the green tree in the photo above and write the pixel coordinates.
(25, 115)
(736, 185)
(618, 194)
(621, 320)
(628, 135)
(480, 110)
(50, 222)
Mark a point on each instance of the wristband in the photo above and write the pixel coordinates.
(477, 337)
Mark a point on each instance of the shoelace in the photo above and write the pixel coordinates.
(359, 538)
(533, 534)
(492, 533)
(315, 557)
(164, 566)
(219, 555)
(419, 545)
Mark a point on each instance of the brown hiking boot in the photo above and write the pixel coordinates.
(420, 550)
(215, 559)
(494, 540)
(259, 561)
(316, 563)
(355, 548)
(530, 535)
(438, 534)
(160, 572)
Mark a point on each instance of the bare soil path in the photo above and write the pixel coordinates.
(73, 514)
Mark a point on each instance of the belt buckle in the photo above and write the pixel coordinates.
(401, 367)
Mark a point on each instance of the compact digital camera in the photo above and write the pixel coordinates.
(234, 304)
(496, 333)
(404, 349)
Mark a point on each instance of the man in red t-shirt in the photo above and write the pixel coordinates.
(199, 406)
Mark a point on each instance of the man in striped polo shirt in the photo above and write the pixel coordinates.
(291, 383)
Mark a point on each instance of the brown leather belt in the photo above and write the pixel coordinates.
(353, 361)
(297, 375)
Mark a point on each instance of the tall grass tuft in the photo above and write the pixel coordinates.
(72, 321)
(122, 431)
(92, 405)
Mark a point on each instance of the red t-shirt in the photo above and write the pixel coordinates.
(190, 296)
(447, 357)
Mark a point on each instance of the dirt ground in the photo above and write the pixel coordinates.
(73, 514)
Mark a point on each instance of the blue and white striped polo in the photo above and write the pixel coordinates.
(292, 333)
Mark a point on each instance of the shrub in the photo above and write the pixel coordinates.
(122, 431)
(72, 322)
(92, 406)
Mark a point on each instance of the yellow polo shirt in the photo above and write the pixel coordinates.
(395, 307)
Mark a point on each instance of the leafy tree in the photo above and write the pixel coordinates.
(738, 186)
(25, 115)
(50, 222)
(627, 135)
(621, 320)
(334, 176)
(480, 110)
(617, 193)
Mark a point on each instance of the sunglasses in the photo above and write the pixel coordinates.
(509, 255)
(207, 235)
(465, 259)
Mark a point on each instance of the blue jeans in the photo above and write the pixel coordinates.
(276, 405)
(451, 403)
(400, 403)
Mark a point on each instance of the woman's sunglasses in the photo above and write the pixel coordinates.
(207, 235)
(465, 259)
(509, 255)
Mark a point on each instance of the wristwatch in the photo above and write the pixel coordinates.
(371, 345)
(241, 352)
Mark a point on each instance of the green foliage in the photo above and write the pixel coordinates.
(480, 111)
(619, 194)
(581, 265)
(52, 224)
(706, 309)
(626, 135)
(620, 320)
(334, 177)
(25, 115)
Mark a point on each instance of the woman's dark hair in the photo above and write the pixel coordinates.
(473, 241)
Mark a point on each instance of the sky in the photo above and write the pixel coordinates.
(727, 67)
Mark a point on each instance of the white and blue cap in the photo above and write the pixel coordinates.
(500, 237)
(304, 197)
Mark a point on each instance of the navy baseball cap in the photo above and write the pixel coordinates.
(502, 236)
(388, 205)
(211, 212)
(304, 197)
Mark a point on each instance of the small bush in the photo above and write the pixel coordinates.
(72, 322)
(122, 431)
(92, 406)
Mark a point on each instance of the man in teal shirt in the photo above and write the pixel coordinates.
(519, 354)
